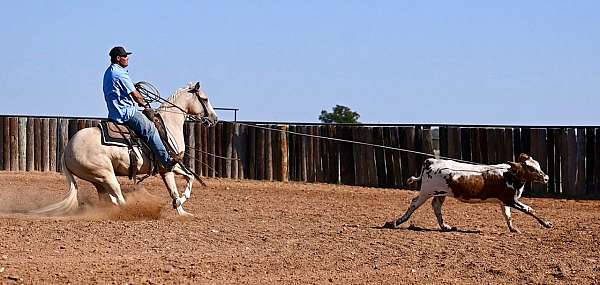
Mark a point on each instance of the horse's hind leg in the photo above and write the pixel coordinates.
(111, 186)
(169, 179)
(102, 193)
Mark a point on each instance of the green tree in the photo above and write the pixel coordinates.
(341, 114)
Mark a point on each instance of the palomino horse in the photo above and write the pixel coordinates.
(86, 158)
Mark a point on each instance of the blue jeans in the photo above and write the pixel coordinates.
(149, 134)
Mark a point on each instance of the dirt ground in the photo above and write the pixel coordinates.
(290, 233)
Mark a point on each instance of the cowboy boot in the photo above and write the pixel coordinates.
(175, 159)
(178, 157)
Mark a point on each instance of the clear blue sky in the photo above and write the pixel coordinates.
(479, 62)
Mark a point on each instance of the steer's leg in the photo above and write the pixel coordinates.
(414, 205)
(529, 211)
(436, 203)
(508, 218)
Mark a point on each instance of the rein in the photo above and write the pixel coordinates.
(151, 94)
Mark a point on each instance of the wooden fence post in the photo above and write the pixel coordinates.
(491, 142)
(508, 144)
(391, 174)
(303, 154)
(379, 156)
(6, 145)
(559, 151)
(292, 157)
(211, 159)
(346, 156)
(2, 144)
(30, 166)
(235, 155)
(205, 149)
(333, 156)
(443, 140)
(14, 144)
(268, 155)
(251, 153)
(357, 153)
(580, 188)
(465, 143)
(539, 153)
(260, 154)
(427, 146)
(22, 144)
(317, 164)
(476, 153)
(64, 139)
(52, 125)
(590, 161)
(454, 144)
(45, 144)
(198, 151)
(567, 162)
(596, 169)
(242, 152)
(325, 171)
(228, 130)
(284, 176)
(218, 149)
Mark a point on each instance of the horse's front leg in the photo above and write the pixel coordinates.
(188, 187)
(169, 180)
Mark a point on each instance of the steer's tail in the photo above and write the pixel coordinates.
(68, 204)
(412, 180)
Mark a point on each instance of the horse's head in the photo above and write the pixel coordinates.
(202, 107)
(194, 102)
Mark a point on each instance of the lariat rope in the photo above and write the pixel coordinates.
(151, 94)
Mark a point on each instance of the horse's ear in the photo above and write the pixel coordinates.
(196, 86)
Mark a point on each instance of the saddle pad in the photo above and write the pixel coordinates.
(116, 134)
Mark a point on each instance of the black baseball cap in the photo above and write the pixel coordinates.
(118, 51)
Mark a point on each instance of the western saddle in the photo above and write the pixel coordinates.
(117, 134)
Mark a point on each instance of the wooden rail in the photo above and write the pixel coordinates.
(569, 155)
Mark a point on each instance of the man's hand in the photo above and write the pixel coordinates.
(137, 97)
(149, 112)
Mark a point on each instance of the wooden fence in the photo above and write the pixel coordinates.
(265, 151)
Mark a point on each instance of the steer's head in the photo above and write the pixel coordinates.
(528, 169)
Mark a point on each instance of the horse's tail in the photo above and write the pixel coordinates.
(68, 204)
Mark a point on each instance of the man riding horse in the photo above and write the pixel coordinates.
(120, 94)
(89, 157)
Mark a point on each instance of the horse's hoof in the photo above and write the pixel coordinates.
(449, 229)
(548, 225)
(390, 225)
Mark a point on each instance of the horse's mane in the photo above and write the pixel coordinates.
(176, 94)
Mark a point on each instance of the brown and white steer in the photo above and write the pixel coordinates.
(472, 183)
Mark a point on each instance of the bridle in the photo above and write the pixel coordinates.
(151, 94)
(203, 101)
